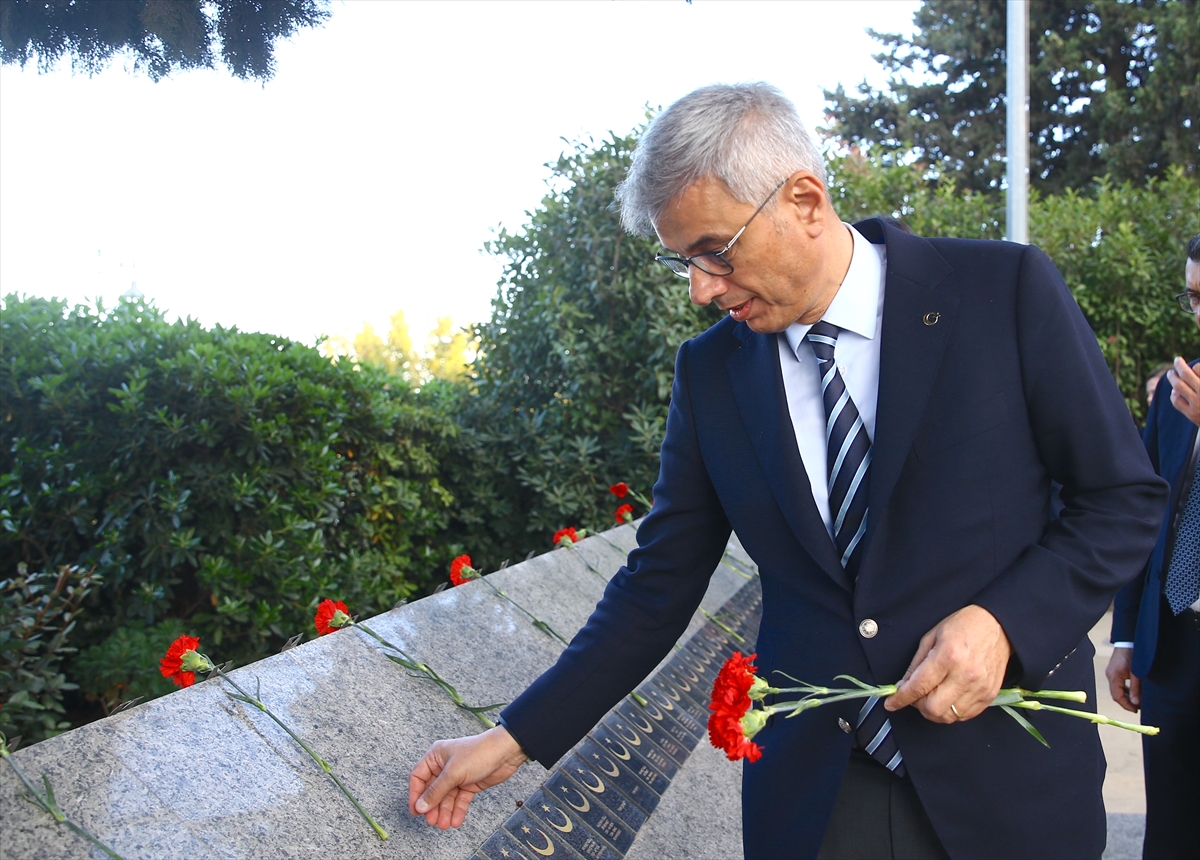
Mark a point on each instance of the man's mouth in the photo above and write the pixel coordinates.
(740, 312)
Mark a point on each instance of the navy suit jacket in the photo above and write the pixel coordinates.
(977, 414)
(1169, 437)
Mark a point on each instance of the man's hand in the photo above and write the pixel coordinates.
(959, 663)
(1125, 687)
(1185, 390)
(452, 772)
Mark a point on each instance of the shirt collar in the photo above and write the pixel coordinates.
(855, 306)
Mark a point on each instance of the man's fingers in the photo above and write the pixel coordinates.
(918, 683)
(1135, 691)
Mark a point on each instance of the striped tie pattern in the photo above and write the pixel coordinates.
(848, 470)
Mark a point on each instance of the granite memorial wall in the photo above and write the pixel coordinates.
(197, 774)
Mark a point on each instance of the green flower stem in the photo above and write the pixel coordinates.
(1099, 719)
(1069, 695)
(735, 565)
(48, 804)
(537, 622)
(324, 765)
(570, 544)
(741, 639)
(413, 665)
(641, 500)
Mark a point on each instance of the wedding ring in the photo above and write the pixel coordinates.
(957, 715)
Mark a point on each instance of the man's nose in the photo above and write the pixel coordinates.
(703, 287)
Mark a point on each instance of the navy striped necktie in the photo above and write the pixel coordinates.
(848, 471)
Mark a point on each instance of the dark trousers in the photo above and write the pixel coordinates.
(878, 816)
(1171, 701)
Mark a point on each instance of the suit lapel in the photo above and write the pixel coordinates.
(911, 349)
(757, 380)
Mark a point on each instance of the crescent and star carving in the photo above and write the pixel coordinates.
(651, 710)
(683, 685)
(648, 728)
(666, 703)
(616, 771)
(587, 804)
(569, 826)
(583, 778)
(545, 852)
(635, 740)
(613, 743)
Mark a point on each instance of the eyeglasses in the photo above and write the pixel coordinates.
(713, 262)
(1189, 301)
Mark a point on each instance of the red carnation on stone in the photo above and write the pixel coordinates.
(625, 514)
(619, 489)
(461, 570)
(331, 615)
(566, 536)
(171, 666)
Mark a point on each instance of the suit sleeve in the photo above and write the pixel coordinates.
(1128, 601)
(646, 606)
(1049, 598)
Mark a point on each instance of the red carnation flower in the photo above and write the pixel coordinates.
(171, 666)
(461, 570)
(327, 619)
(625, 514)
(568, 534)
(619, 489)
(730, 704)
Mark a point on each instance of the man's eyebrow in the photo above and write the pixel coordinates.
(706, 241)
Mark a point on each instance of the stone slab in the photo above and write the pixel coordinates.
(198, 774)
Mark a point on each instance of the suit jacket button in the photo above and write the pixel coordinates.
(867, 628)
(843, 725)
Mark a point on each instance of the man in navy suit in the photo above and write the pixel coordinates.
(880, 418)
(1155, 664)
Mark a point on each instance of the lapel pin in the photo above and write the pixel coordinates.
(931, 318)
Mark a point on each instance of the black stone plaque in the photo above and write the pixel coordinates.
(536, 837)
(502, 845)
(628, 745)
(596, 814)
(569, 828)
(675, 683)
(580, 774)
(669, 731)
(690, 713)
(639, 787)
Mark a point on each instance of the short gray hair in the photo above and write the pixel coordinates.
(748, 136)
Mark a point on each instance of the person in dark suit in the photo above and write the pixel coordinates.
(879, 418)
(1155, 665)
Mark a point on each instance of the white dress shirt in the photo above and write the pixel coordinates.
(856, 309)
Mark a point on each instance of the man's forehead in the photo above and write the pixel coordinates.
(702, 214)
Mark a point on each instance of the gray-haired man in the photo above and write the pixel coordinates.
(902, 528)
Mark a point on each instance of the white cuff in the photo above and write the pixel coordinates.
(1128, 645)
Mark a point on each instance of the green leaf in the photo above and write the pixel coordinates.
(1028, 726)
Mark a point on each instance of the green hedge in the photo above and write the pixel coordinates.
(225, 478)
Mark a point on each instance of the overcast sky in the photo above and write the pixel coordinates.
(368, 173)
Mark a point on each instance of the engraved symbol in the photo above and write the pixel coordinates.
(616, 771)
(569, 826)
(674, 696)
(661, 699)
(583, 778)
(586, 803)
(545, 852)
(687, 688)
(635, 740)
(613, 743)
(654, 712)
(931, 318)
(691, 676)
(648, 728)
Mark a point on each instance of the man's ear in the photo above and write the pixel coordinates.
(806, 201)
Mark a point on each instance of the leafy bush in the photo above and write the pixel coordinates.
(1121, 249)
(576, 363)
(37, 614)
(226, 478)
